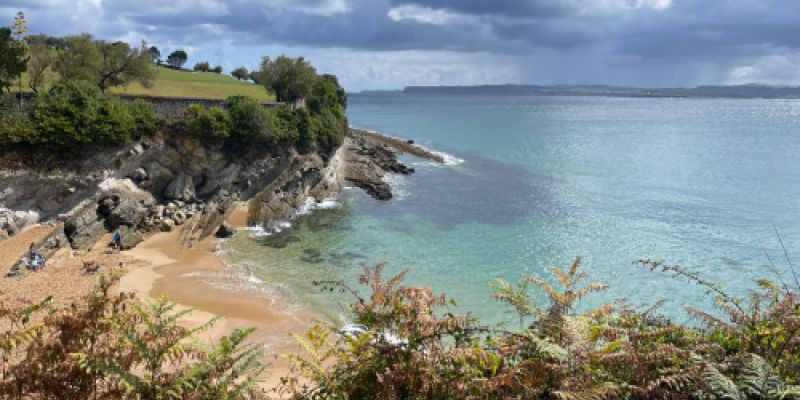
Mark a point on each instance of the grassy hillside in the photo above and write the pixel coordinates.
(172, 83)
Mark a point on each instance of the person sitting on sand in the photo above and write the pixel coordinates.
(118, 241)
(40, 262)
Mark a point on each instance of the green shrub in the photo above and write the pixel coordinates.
(144, 116)
(14, 128)
(212, 123)
(326, 94)
(286, 125)
(74, 116)
(251, 122)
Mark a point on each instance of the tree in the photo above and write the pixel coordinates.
(240, 73)
(327, 94)
(202, 66)
(51, 42)
(104, 64)
(155, 54)
(217, 69)
(41, 61)
(177, 58)
(255, 76)
(80, 60)
(12, 59)
(122, 65)
(20, 28)
(290, 78)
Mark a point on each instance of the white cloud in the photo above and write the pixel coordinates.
(325, 8)
(614, 7)
(427, 15)
(775, 69)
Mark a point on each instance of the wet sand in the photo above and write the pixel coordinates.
(193, 276)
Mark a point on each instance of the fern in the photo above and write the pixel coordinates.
(758, 380)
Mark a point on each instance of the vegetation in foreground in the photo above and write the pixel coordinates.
(113, 346)
(407, 347)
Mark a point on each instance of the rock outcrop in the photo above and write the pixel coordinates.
(162, 183)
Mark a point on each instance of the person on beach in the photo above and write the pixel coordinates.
(118, 241)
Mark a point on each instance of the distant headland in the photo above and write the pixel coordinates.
(733, 91)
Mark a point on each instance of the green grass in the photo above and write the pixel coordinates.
(207, 85)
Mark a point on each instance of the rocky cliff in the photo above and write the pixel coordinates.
(165, 182)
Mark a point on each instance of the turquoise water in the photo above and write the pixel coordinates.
(702, 183)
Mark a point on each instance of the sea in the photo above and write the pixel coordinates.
(532, 182)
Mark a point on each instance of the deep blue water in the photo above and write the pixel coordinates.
(702, 183)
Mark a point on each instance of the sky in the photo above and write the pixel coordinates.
(389, 44)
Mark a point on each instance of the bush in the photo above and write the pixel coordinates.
(113, 346)
(14, 128)
(251, 123)
(286, 125)
(211, 123)
(326, 94)
(404, 344)
(145, 118)
(75, 116)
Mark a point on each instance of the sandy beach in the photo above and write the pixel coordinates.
(188, 273)
(193, 276)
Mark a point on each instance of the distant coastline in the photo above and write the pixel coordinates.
(749, 91)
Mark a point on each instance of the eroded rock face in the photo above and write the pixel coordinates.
(119, 204)
(165, 182)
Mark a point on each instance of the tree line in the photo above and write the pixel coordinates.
(72, 113)
(105, 64)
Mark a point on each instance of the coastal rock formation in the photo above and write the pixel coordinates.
(165, 183)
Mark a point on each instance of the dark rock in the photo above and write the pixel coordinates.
(225, 231)
(181, 188)
(377, 189)
(84, 227)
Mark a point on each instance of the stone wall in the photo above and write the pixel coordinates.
(174, 107)
(168, 107)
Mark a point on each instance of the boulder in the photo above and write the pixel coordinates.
(224, 231)
(84, 227)
(139, 174)
(179, 217)
(167, 225)
(56, 241)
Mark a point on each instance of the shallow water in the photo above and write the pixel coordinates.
(702, 183)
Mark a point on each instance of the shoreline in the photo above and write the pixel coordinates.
(189, 271)
(178, 272)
